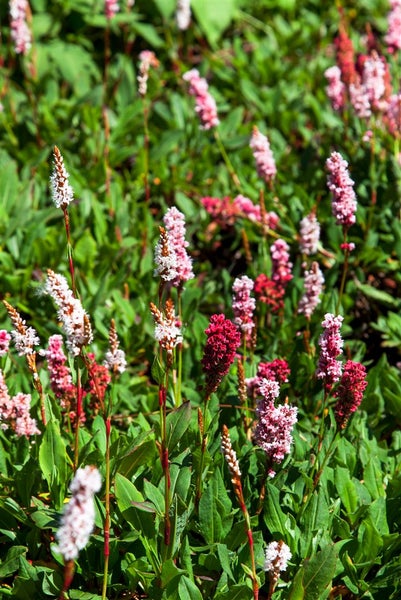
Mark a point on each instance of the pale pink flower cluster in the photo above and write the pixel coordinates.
(281, 268)
(60, 375)
(393, 114)
(253, 212)
(147, 59)
(25, 338)
(331, 345)
(183, 14)
(5, 338)
(230, 454)
(277, 556)
(205, 104)
(273, 431)
(111, 8)
(167, 326)
(336, 88)
(374, 81)
(225, 212)
(61, 190)
(244, 305)
(359, 100)
(313, 284)
(15, 411)
(114, 359)
(393, 35)
(75, 320)
(265, 163)
(174, 222)
(342, 188)
(20, 32)
(78, 519)
(309, 234)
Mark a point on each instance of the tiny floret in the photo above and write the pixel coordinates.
(61, 190)
(276, 559)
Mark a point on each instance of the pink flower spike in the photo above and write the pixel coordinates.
(309, 234)
(183, 14)
(78, 519)
(60, 374)
(111, 8)
(174, 222)
(336, 88)
(331, 345)
(265, 163)
(273, 431)
(277, 556)
(313, 284)
(61, 190)
(5, 338)
(349, 393)
(20, 32)
(281, 263)
(393, 35)
(147, 59)
(205, 104)
(223, 340)
(244, 305)
(74, 318)
(342, 188)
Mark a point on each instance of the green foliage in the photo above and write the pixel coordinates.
(179, 525)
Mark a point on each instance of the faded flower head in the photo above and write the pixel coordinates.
(223, 340)
(276, 559)
(205, 104)
(73, 317)
(61, 190)
(78, 519)
(342, 188)
(147, 59)
(265, 163)
(115, 357)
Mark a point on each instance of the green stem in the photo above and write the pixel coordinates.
(78, 417)
(343, 278)
(227, 160)
(107, 509)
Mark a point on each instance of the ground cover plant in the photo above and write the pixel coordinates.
(200, 392)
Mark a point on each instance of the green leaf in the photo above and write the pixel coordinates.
(187, 590)
(236, 592)
(318, 573)
(177, 423)
(11, 563)
(135, 511)
(213, 17)
(53, 462)
(142, 454)
(275, 519)
(215, 519)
